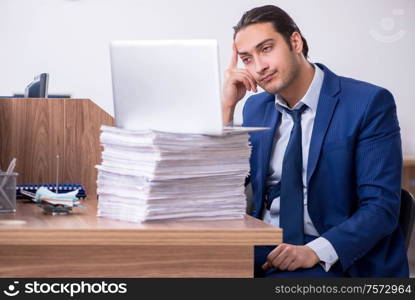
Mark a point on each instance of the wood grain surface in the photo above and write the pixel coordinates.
(83, 245)
(36, 130)
(127, 261)
(408, 174)
(83, 227)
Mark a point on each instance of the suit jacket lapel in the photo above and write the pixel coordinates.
(325, 108)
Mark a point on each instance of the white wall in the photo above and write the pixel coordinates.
(371, 40)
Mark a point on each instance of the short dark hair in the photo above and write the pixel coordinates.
(281, 21)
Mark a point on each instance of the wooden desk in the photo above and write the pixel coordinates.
(83, 245)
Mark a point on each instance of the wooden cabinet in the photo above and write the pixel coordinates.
(36, 130)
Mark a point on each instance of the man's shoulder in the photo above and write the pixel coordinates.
(351, 89)
(363, 96)
(351, 86)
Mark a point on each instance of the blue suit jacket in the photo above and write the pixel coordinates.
(353, 175)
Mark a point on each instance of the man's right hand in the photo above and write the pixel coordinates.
(236, 83)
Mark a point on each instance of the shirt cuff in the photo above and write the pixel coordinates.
(325, 252)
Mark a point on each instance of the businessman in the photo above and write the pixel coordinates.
(328, 171)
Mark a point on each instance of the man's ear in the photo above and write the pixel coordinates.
(296, 42)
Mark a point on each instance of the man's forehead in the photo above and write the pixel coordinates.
(247, 39)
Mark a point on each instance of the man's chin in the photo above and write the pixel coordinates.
(274, 87)
(271, 90)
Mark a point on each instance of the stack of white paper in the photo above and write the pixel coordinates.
(149, 175)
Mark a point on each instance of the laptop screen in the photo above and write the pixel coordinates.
(167, 85)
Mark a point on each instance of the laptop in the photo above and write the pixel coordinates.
(167, 85)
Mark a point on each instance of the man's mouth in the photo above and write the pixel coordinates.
(267, 78)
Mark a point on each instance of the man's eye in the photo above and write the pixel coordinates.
(267, 49)
(246, 60)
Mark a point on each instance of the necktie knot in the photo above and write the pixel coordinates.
(295, 113)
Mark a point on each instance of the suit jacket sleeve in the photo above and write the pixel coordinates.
(378, 167)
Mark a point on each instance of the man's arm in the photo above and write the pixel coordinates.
(378, 165)
(236, 83)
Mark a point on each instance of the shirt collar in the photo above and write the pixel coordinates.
(311, 96)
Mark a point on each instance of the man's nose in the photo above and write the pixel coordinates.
(261, 66)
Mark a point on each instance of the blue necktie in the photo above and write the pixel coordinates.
(291, 185)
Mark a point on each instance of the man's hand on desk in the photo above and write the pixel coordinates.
(291, 257)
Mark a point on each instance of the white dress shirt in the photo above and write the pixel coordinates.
(321, 246)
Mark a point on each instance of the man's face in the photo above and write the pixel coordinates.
(267, 56)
